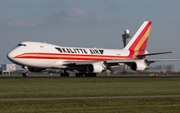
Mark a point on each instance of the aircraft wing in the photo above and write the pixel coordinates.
(134, 64)
(146, 60)
(72, 63)
(115, 62)
(112, 62)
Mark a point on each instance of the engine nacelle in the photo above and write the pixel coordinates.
(95, 68)
(138, 66)
(32, 69)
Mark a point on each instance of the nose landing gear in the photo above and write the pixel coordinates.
(25, 73)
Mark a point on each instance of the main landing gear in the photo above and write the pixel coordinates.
(86, 75)
(65, 74)
(80, 74)
(90, 74)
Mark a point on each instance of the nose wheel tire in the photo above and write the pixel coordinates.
(25, 74)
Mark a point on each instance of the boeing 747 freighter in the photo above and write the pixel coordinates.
(37, 56)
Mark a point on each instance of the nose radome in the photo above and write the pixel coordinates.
(10, 56)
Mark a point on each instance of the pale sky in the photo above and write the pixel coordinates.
(89, 23)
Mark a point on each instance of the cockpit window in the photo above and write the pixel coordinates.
(21, 44)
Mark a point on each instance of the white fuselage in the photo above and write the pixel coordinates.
(38, 56)
(43, 55)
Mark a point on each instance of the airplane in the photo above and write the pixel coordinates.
(38, 56)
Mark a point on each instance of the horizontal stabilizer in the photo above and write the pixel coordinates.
(144, 55)
(160, 60)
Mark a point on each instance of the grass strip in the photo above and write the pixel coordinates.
(164, 105)
(87, 87)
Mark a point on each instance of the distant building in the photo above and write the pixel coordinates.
(7, 68)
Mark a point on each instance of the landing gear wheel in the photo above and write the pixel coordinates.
(86, 75)
(94, 74)
(64, 74)
(79, 75)
(25, 74)
(90, 74)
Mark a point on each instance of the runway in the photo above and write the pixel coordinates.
(19, 77)
(80, 98)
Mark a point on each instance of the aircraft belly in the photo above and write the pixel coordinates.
(40, 63)
(75, 68)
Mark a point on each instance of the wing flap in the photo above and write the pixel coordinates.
(68, 63)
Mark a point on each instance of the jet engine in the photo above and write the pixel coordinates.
(32, 69)
(95, 68)
(138, 65)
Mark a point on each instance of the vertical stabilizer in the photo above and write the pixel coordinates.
(139, 40)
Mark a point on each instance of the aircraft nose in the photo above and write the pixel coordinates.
(10, 56)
